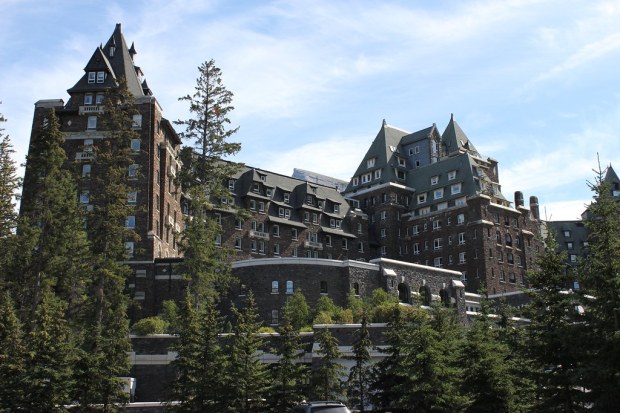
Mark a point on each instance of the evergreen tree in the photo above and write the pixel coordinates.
(429, 362)
(48, 377)
(296, 310)
(360, 374)
(202, 179)
(487, 379)
(12, 357)
(105, 339)
(555, 333)
(600, 280)
(53, 251)
(200, 365)
(246, 372)
(327, 374)
(386, 373)
(9, 184)
(287, 375)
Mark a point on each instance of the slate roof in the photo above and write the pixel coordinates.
(454, 139)
(119, 65)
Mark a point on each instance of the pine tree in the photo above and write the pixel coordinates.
(200, 365)
(49, 365)
(12, 357)
(9, 184)
(327, 374)
(555, 333)
(359, 375)
(246, 372)
(296, 310)
(600, 280)
(53, 249)
(287, 375)
(203, 177)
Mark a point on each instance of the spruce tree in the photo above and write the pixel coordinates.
(201, 366)
(555, 333)
(287, 375)
(327, 373)
(247, 374)
(600, 283)
(487, 379)
(360, 374)
(9, 184)
(48, 376)
(53, 251)
(12, 357)
(202, 178)
(296, 310)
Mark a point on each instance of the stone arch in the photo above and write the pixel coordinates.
(425, 295)
(444, 296)
(404, 295)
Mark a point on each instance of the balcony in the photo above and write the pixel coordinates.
(314, 244)
(259, 234)
(90, 109)
(84, 156)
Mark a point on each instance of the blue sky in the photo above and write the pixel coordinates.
(534, 84)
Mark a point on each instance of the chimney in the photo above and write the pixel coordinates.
(534, 207)
(518, 199)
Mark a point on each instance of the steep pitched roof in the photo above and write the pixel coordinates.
(454, 139)
(119, 64)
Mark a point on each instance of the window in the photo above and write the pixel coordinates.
(441, 206)
(218, 219)
(573, 258)
(424, 211)
(508, 239)
(451, 175)
(510, 258)
(434, 180)
(261, 207)
(294, 233)
(356, 181)
(569, 245)
(377, 173)
(237, 243)
(91, 77)
(461, 238)
(306, 216)
(421, 198)
(85, 197)
(416, 229)
(383, 250)
(436, 225)
(323, 287)
(276, 249)
(455, 189)
(86, 168)
(416, 248)
(132, 197)
(252, 205)
(461, 258)
(370, 162)
(136, 122)
(328, 240)
(438, 193)
(511, 277)
(100, 77)
(287, 197)
(289, 287)
(383, 215)
(336, 208)
(88, 99)
(383, 233)
(135, 145)
(360, 247)
(344, 244)
(315, 218)
(261, 247)
(130, 222)
(133, 170)
(256, 187)
(276, 230)
(460, 219)
(437, 243)
(366, 178)
(274, 316)
(129, 248)
(231, 184)
(438, 262)
(92, 122)
(253, 245)
(99, 99)
(295, 252)
(566, 234)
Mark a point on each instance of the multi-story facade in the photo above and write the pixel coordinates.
(433, 199)
(158, 217)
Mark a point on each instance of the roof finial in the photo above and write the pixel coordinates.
(384, 122)
(452, 116)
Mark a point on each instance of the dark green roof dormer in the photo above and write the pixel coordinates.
(454, 140)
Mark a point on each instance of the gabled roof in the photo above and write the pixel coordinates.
(120, 64)
(610, 175)
(454, 139)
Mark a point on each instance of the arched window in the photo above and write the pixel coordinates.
(445, 297)
(425, 295)
(275, 287)
(508, 239)
(403, 293)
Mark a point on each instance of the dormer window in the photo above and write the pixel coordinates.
(370, 163)
(100, 77)
(434, 180)
(287, 197)
(91, 77)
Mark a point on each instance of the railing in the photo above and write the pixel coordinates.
(313, 244)
(259, 234)
(81, 156)
(91, 109)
